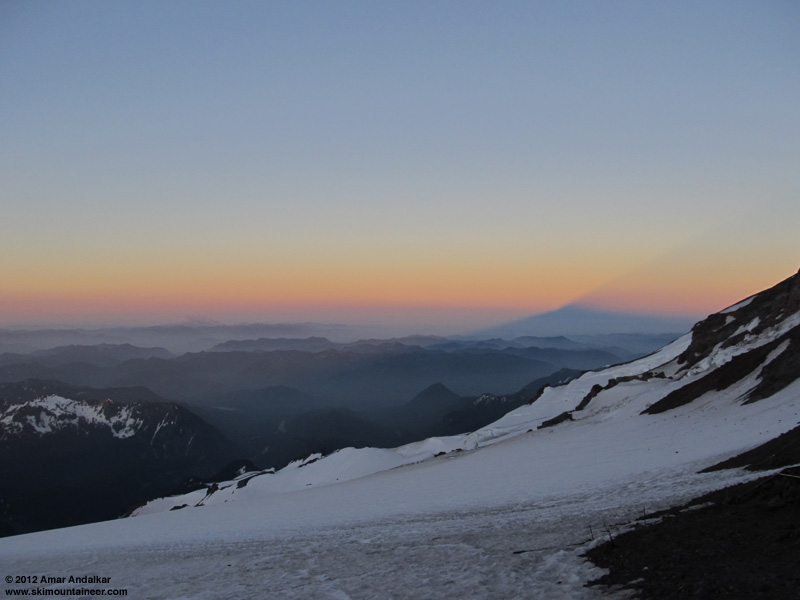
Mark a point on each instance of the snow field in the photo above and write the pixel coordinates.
(524, 550)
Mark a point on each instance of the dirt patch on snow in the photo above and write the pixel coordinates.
(783, 451)
(739, 543)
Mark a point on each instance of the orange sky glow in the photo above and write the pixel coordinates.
(436, 166)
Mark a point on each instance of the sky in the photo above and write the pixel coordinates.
(436, 164)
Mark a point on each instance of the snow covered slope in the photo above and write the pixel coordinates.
(490, 512)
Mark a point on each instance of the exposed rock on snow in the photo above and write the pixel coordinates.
(739, 543)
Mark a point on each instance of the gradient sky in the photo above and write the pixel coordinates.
(429, 163)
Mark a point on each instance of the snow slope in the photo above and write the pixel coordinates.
(500, 512)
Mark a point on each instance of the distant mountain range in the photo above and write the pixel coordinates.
(578, 320)
(351, 375)
(177, 338)
(197, 336)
